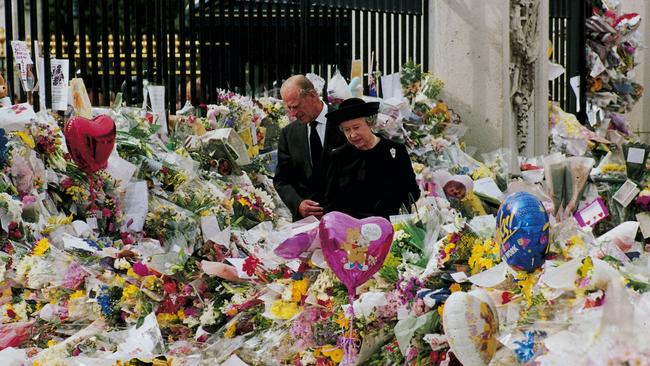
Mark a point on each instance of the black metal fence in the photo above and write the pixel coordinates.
(194, 47)
(567, 35)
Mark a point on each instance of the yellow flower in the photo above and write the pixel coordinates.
(28, 140)
(526, 282)
(343, 320)
(131, 273)
(299, 289)
(454, 288)
(334, 353)
(418, 168)
(204, 213)
(586, 268)
(613, 168)
(483, 171)
(181, 314)
(242, 201)
(76, 295)
(441, 309)
(41, 247)
(129, 292)
(51, 343)
(230, 329)
(285, 309)
(149, 282)
(166, 318)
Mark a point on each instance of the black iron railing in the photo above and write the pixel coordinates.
(194, 47)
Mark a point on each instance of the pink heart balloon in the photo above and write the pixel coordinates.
(354, 249)
(90, 142)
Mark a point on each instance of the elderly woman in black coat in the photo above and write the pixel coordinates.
(369, 175)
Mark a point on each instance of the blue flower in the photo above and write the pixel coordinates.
(525, 350)
(105, 302)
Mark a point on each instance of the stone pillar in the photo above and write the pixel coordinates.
(469, 49)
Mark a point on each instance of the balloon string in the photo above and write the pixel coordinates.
(348, 343)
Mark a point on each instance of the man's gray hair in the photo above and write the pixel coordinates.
(301, 82)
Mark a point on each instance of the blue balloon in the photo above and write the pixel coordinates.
(522, 231)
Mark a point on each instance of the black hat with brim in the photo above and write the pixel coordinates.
(352, 108)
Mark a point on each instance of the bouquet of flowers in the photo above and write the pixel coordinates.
(251, 206)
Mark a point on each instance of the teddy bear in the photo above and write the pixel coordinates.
(4, 91)
(356, 247)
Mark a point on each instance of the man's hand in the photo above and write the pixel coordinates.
(310, 208)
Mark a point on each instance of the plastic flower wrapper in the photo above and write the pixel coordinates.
(271, 347)
(569, 240)
(610, 166)
(409, 239)
(221, 150)
(637, 273)
(567, 134)
(389, 121)
(202, 198)
(136, 139)
(338, 89)
(410, 79)
(166, 220)
(251, 206)
(498, 162)
(577, 173)
(242, 112)
(183, 127)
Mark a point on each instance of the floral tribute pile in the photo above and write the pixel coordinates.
(171, 258)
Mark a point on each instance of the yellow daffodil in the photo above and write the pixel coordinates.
(299, 289)
(343, 320)
(334, 353)
(76, 295)
(41, 247)
(285, 309)
(28, 140)
(129, 292)
(230, 329)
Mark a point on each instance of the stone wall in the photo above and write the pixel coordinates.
(469, 51)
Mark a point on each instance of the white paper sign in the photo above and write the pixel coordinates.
(136, 204)
(59, 84)
(73, 242)
(157, 97)
(635, 155)
(391, 86)
(24, 63)
(210, 228)
(40, 72)
(626, 193)
(121, 170)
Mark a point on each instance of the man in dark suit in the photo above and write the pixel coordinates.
(303, 148)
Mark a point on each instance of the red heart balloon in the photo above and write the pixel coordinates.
(90, 142)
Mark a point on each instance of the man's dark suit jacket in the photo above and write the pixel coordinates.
(294, 179)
